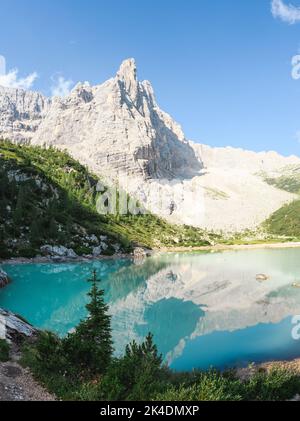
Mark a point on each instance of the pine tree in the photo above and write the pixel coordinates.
(35, 232)
(53, 230)
(147, 351)
(20, 204)
(90, 346)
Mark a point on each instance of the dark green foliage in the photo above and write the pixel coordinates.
(64, 364)
(137, 375)
(206, 386)
(278, 384)
(286, 221)
(49, 353)
(4, 350)
(89, 349)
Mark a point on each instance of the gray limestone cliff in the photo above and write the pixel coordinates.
(21, 113)
(118, 130)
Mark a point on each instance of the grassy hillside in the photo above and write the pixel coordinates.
(285, 221)
(46, 197)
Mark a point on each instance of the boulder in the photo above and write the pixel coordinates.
(71, 254)
(46, 249)
(97, 251)
(93, 239)
(14, 328)
(103, 245)
(262, 277)
(141, 253)
(4, 279)
(58, 251)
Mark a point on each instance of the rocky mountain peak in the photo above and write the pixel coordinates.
(127, 81)
(118, 130)
(128, 72)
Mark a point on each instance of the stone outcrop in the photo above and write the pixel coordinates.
(13, 328)
(4, 279)
(21, 112)
(118, 130)
(119, 127)
(58, 251)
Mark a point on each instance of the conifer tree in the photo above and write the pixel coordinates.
(20, 204)
(90, 346)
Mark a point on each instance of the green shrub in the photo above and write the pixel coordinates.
(81, 250)
(137, 375)
(28, 252)
(278, 384)
(209, 386)
(49, 366)
(110, 251)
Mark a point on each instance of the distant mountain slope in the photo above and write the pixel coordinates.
(119, 132)
(46, 197)
(285, 221)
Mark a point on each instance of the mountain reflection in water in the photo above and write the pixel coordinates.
(205, 309)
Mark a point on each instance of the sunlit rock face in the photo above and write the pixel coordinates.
(117, 127)
(118, 131)
(21, 113)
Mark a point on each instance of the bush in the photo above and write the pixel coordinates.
(209, 386)
(49, 366)
(28, 252)
(137, 375)
(278, 384)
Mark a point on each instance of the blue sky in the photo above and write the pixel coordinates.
(221, 68)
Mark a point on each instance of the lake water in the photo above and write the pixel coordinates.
(204, 309)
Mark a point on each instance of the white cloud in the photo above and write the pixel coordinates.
(296, 67)
(12, 80)
(61, 86)
(286, 12)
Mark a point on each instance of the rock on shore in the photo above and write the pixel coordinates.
(13, 328)
(4, 279)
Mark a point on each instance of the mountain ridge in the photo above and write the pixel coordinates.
(119, 132)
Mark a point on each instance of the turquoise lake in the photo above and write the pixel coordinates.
(204, 309)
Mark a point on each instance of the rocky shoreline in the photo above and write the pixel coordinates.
(137, 254)
(225, 247)
(49, 259)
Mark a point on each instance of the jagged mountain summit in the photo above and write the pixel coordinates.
(121, 128)
(118, 131)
